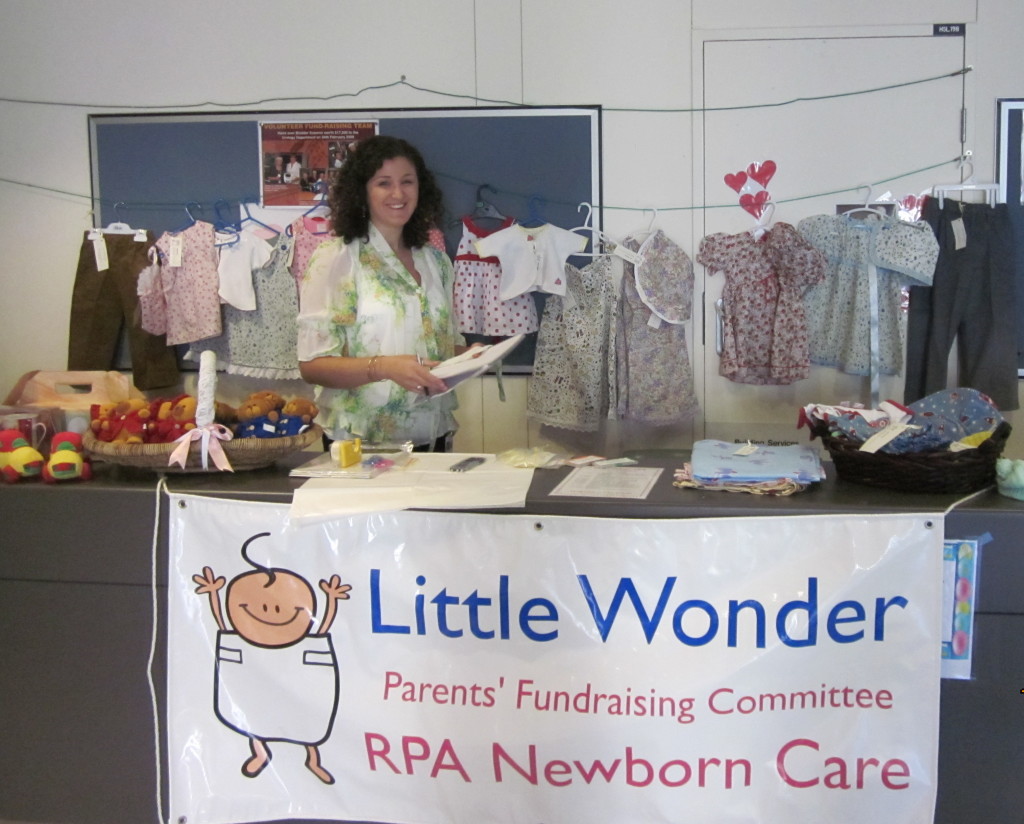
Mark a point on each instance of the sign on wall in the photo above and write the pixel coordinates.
(431, 666)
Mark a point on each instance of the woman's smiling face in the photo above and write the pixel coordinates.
(392, 193)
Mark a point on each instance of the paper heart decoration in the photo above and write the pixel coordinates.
(736, 181)
(755, 204)
(762, 172)
(910, 202)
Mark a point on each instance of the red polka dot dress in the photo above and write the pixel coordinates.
(479, 309)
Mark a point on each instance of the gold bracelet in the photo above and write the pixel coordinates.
(370, 370)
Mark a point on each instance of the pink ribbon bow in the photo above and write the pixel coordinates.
(210, 436)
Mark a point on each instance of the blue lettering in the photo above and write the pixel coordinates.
(881, 605)
(606, 622)
(375, 619)
(835, 617)
(677, 623)
(811, 606)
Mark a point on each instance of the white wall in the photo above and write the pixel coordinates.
(76, 58)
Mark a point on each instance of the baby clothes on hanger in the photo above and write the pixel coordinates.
(765, 336)
(307, 233)
(238, 259)
(569, 387)
(182, 294)
(479, 309)
(652, 375)
(262, 342)
(861, 253)
(532, 259)
(972, 299)
(104, 301)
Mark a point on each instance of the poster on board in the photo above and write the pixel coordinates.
(299, 160)
(455, 667)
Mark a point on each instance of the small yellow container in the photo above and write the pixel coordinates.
(348, 452)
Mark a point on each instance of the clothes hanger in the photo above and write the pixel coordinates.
(764, 221)
(641, 234)
(596, 235)
(867, 208)
(248, 218)
(192, 220)
(990, 190)
(534, 216)
(117, 227)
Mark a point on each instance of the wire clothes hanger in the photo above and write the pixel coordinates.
(990, 190)
(596, 235)
(192, 220)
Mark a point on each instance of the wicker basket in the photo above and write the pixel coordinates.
(244, 453)
(929, 471)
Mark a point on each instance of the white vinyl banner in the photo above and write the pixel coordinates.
(463, 668)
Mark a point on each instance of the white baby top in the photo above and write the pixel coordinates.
(532, 259)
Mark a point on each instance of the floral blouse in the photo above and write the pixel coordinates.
(358, 300)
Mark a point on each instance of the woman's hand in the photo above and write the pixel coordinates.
(410, 372)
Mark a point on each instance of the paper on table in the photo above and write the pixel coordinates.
(473, 362)
(609, 482)
(426, 483)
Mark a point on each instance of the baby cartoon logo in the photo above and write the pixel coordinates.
(275, 679)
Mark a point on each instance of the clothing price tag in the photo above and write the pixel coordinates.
(747, 449)
(959, 233)
(628, 255)
(177, 243)
(99, 248)
(883, 436)
(654, 321)
(141, 236)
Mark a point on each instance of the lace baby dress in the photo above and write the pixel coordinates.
(653, 376)
(569, 387)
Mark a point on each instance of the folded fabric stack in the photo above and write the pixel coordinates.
(764, 470)
(951, 419)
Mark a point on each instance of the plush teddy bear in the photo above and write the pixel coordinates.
(258, 415)
(296, 416)
(67, 461)
(129, 421)
(224, 414)
(100, 420)
(175, 417)
(18, 458)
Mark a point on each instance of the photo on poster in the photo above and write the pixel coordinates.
(300, 160)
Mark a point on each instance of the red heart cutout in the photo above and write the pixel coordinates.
(755, 203)
(736, 181)
(910, 202)
(762, 172)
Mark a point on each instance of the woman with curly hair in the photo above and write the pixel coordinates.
(375, 306)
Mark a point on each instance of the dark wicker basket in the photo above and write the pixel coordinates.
(930, 471)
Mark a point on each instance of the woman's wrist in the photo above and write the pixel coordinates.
(374, 369)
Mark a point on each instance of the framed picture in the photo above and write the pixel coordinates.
(299, 159)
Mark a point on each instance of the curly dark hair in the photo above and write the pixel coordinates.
(350, 213)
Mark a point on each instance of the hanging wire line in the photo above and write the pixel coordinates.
(525, 197)
(477, 99)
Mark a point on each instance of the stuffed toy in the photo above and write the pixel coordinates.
(129, 421)
(225, 414)
(67, 461)
(296, 416)
(174, 419)
(258, 415)
(100, 420)
(18, 458)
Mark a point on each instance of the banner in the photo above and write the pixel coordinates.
(461, 668)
